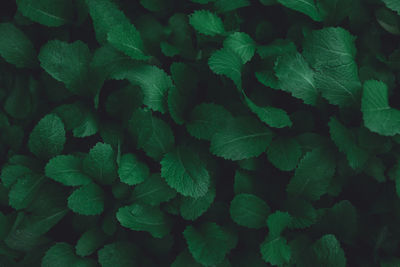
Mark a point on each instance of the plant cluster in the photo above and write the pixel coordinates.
(191, 133)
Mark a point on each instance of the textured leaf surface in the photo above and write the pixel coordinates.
(100, 163)
(275, 251)
(328, 252)
(249, 210)
(24, 190)
(139, 217)
(378, 116)
(206, 23)
(393, 5)
(226, 62)
(192, 208)
(209, 243)
(87, 200)
(118, 254)
(241, 138)
(307, 7)
(90, 241)
(184, 171)
(284, 153)
(16, 49)
(131, 170)
(47, 139)
(242, 44)
(66, 169)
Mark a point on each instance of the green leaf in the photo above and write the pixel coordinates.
(100, 164)
(278, 47)
(16, 49)
(24, 190)
(131, 170)
(152, 134)
(227, 62)
(185, 259)
(119, 254)
(345, 140)
(241, 138)
(206, 119)
(296, 77)
(284, 153)
(192, 208)
(224, 6)
(303, 213)
(393, 5)
(273, 117)
(331, 52)
(378, 116)
(62, 255)
(139, 217)
(66, 169)
(154, 83)
(335, 11)
(249, 210)
(185, 172)
(307, 7)
(328, 252)
(209, 243)
(153, 191)
(90, 241)
(47, 139)
(313, 174)
(19, 103)
(67, 63)
(47, 12)
(11, 173)
(242, 44)
(276, 251)
(206, 22)
(277, 222)
(87, 200)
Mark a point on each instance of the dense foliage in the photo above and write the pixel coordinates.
(192, 133)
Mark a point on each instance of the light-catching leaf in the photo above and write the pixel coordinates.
(242, 44)
(276, 251)
(226, 62)
(47, 139)
(192, 208)
(131, 170)
(378, 116)
(206, 23)
(139, 217)
(66, 169)
(249, 210)
(16, 49)
(87, 200)
(100, 164)
(393, 5)
(328, 252)
(241, 138)
(209, 243)
(185, 172)
(307, 7)
(51, 13)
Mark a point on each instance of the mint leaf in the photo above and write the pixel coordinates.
(185, 172)
(249, 210)
(307, 7)
(206, 22)
(140, 217)
(209, 243)
(100, 164)
(47, 139)
(153, 191)
(47, 12)
(16, 49)
(241, 138)
(284, 153)
(66, 169)
(242, 44)
(296, 77)
(378, 116)
(152, 134)
(226, 62)
(206, 119)
(87, 200)
(131, 170)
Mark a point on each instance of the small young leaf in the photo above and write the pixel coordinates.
(140, 217)
(47, 12)
(249, 210)
(242, 138)
(275, 251)
(242, 44)
(209, 243)
(47, 139)
(185, 172)
(87, 200)
(100, 164)
(16, 49)
(206, 23)
(66, 169)
(131, 170)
